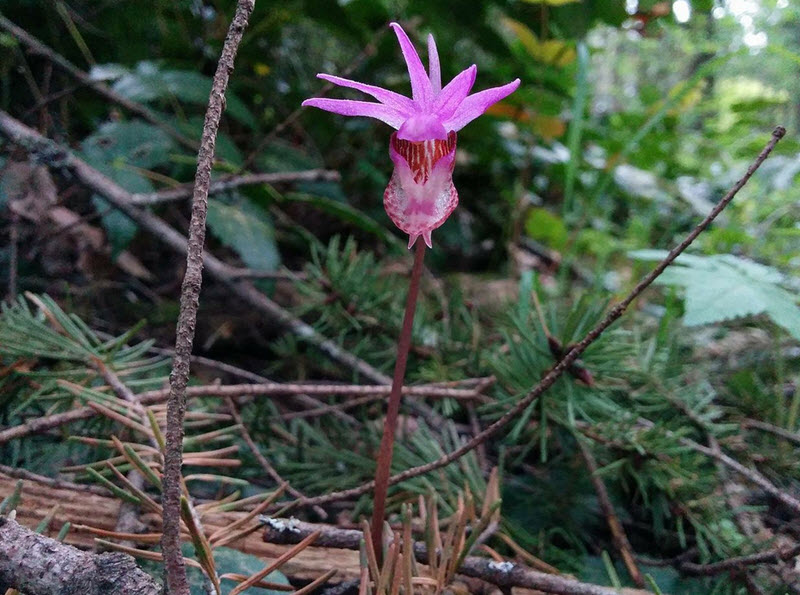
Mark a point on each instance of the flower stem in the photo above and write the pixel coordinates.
(384, 460)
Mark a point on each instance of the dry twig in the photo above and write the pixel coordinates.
(501, 574)
(617, 532)
(262, 460)
(189, 302)
(230, 182)
(39, 565)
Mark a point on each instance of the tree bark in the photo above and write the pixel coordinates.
(39, 565)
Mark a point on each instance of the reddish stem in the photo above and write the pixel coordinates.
(384, 460)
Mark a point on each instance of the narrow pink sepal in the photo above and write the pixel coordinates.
(349, 107)
(394, 100)
(420, 83)
(434, 69)
(454, 92)
(474, 105)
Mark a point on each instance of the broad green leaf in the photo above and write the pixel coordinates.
(134, 143)
(149, 83)
(544, 226)
(120, 229)
(550, 51)
(723, 287)
(246, 229)
(227, 561)
(119, 150)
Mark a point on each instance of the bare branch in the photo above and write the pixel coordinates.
(262, 460)
(189, 303)
(59, 157)
(302, 392)
(18, 473)
(740, 563)
(39, 565)
(230, 182)
(617, 532)
(502, 574)
(772, 429)
(750, 474)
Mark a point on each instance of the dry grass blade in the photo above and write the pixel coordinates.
(156, 429)
(118, 417)
(241, 534)
(143, 498)
(389, 563)
(238, 578)
(119, 461)
(45, 522)
(220, 534)
(134, 459)
(214, 454)
(210, 477)
(397, 574)
(211, 462)
(143, 554)
(148, 538)
(99, 442)
(112, 487)
(529, 558)
(309, 588)
(363, 586)
(409, 562)
(201, 546)
(369, 552)
(276, 564)
(211, 436)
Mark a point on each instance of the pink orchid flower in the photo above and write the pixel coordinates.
(420, 195)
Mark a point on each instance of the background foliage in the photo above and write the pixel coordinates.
(633, 118)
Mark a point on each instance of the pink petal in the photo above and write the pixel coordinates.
(434, 69)
(454, 93)
(390, 98)
(420, 195)
(421, 128)
(420, 83)
(474, 105)
(348, 107)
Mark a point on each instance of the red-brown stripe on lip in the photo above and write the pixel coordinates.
(421, 156)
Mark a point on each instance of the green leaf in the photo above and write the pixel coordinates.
(148, 83)
(549, 51)
(246, 229)
(544, 226)
(119, 228)
(119, 150)
(134, 143)
(227, 561)
(723, 287)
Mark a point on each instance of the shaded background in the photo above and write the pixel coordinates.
(633, 118)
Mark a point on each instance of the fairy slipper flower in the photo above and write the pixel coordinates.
(420, 195)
